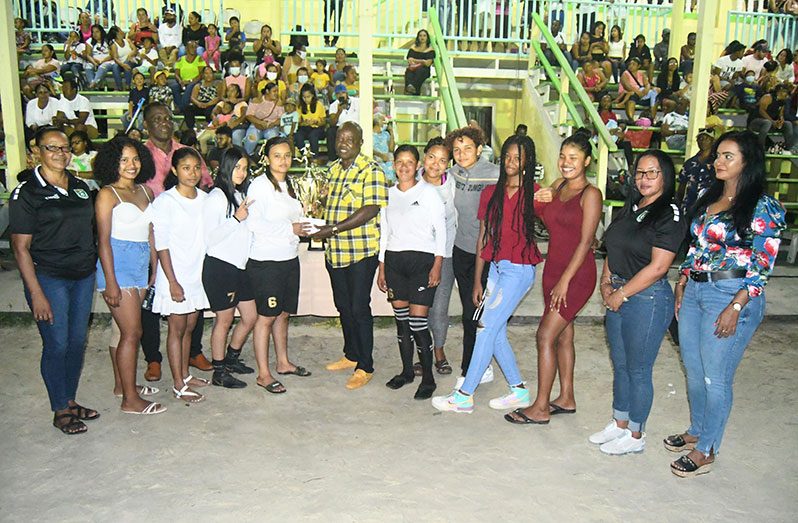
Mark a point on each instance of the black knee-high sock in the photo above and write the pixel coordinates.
(419, 326)
(403, 336)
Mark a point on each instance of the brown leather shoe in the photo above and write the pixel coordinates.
(153, 372)
(200, 362)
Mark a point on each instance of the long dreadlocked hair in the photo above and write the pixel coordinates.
(524, 218)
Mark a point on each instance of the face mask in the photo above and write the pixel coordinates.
(271, 75)
(302, 54)
(384, 128)
(235, 71)
(750, 79)
(302, 79)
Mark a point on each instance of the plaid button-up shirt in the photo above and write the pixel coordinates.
(362, 184)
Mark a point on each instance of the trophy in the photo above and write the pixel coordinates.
(311, 188)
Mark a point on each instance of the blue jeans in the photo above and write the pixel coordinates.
(64, 341)
(95, 76)
(508, 283)
(119, 73)
(710, 361)
(635, 333)
(254, 135)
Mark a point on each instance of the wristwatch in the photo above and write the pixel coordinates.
(737, 306)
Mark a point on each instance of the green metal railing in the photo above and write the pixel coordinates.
(453, 106)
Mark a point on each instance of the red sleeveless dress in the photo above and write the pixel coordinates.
(564, 223)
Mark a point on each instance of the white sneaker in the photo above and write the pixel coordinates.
(609, 433)
(518, 397)
(458, 383)
(625, 444)
(454, 402)
(488, 376)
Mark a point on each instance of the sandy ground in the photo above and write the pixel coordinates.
(323, 453)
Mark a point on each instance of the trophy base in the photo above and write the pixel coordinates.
(316, 245)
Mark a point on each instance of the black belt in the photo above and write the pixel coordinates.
(703, 277)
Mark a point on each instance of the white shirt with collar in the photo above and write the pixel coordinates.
(351, 114)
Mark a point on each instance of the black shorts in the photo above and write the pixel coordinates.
(275, 285)
(407, 276)
(225, 284)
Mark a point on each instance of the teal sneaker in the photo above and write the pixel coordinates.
(518, 397)
(454, 402)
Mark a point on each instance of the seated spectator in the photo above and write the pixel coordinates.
(384, 145)
(123, 53)
(263, 115)
(580, 51)
(674, 126)
(559, 39)
(43, 71)
(289, 121)
(234, 52)
(773, 114)
(235, 77)
(350, 80)
(84, 27)
(593, 80)
(204, 96)
(295, 60)
(161, 92)
(74, 62)
(238, 123)
(187, 72)
(74, 111)
(605, 111)
(686, 87)
(21, 36)
(669, 82)
(148, 57)
(687, 54)
(698, 172)
(226, 114)
(235, 32)
(321, 79)
(785, 72)
(302, 78)
(635, 88)
(135, 134)
(195, 31)
(97, 56)
(617, 52)
(729, 66)
(643, 54)
(224, 141)
(266, 49)
(756, 60)
(767, 78)
(142, 28)
(139, 96)
(344, 109)
(660, 51)
(312, 121)
(337, 67)
(213, 43)
(83, 153)
(599, 48)
(170, 38)
(41, 110)
(748, 93)
(419, 63)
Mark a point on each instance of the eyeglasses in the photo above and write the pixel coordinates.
(55, 148)
(651, 174)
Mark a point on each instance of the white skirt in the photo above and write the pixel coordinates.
(195, 300)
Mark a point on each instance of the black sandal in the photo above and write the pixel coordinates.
(676, 443)
(71, 428)
(525, 420)
(298, 371)
(84, 413)
(274, 387)
(685, 467)
(443, 367)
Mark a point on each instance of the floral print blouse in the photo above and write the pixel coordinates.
(717, 247)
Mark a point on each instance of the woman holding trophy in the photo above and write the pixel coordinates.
(275, 220)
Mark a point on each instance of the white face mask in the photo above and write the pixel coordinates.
(235, 71)
(302, 79)
(271, 75)
(302, 54)
(750, 79)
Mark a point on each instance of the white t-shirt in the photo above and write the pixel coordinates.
(75, 56)
(80, 104)
(352, 114)
(414, 220)
(728, 67)
(271, 218)
(751, 63)
(170, 36)
(145, 66)
(676, 121)
(36, 116)
(226, 238)
(289, 121)
(559, 39)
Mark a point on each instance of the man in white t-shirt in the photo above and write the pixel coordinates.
(559, 39)
(344, 109)
(170, 37)
(730, 66)
(74, 111)
(756, 60)
(674, 126)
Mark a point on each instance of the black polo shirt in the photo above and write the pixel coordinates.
(629, 242)
(61, 223)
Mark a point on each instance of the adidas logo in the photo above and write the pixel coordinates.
(414, 203)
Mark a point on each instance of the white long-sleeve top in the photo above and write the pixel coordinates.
(271, 218)
(414, 220)
(446, 192)
(226, 238)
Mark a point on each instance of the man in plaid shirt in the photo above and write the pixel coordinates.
(358, 188)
